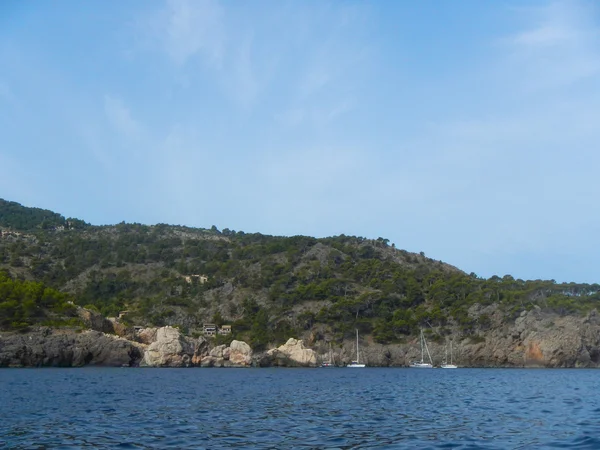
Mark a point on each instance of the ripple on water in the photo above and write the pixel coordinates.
(289, 408)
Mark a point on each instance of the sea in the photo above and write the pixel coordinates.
(278, 408)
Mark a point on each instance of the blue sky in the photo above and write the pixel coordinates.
(467, 130)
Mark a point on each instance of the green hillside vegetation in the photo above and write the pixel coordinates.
(269, 288)
(27, 303)
(17, 217)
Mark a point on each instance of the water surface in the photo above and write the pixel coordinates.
(299, 408)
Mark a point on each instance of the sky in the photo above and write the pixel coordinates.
(467, 130)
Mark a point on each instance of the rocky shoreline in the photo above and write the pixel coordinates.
(157, 347)
(535, 339)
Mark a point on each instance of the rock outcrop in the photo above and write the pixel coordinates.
(200, 351)
(169, 349)
(146, 335)
(534, 339)
(292, 354)
(240, 354)
(56, 348)
(97, 322)
(538, 339)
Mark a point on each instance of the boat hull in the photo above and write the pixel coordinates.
(357, 366)
(448, 366)
(421, 366)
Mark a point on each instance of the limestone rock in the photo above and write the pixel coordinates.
(207, 361)
(147, 335)
(170, 349)
(293, 353)
(200, 351)
(217, 351)
(95, 321)
(240, 354)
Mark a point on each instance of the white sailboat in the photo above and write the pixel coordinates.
(446, 365)
(331, 362)
(422, 364)
(357, 362)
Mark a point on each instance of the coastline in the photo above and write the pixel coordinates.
(528, 344)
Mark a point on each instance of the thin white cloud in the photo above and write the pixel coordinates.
(314, 114)
(337, 59)
(333, 56)
(241, 77)
(119, 116)
(93, 142)
(560, 47)
(335, 111)
(184, 29)
(291, 117)
(315, 55)
(545, 36)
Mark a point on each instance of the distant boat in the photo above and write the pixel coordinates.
(445, 365)
(331, 362)
(357, 362)
(422, 364)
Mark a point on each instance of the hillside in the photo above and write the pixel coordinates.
(268, 287)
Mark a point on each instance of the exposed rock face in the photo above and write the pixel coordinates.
(147, 335)
(97, 322)
(218, 351)
(200, 351)
(167, 348)
(240, 354)
(293, 353)
(535, 339)
(540, 339)
(56, 348)
(170, 349)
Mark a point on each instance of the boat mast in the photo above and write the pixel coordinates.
(428, 354)
(422, 339)
(357, 357)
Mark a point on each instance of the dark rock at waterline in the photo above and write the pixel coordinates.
(61, 348)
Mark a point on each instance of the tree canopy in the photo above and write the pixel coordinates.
(268, 287)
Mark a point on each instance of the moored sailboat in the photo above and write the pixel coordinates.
(331, 362)
(445, 365)
(356, 363)
(422, 364)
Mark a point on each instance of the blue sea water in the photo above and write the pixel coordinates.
(299, 408)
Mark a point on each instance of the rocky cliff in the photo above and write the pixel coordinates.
(534, 339)
(291, 354)
(53, 348)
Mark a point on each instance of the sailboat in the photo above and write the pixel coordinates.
(331, 362)
(422, 364)
(357, 362)
(445, 365)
